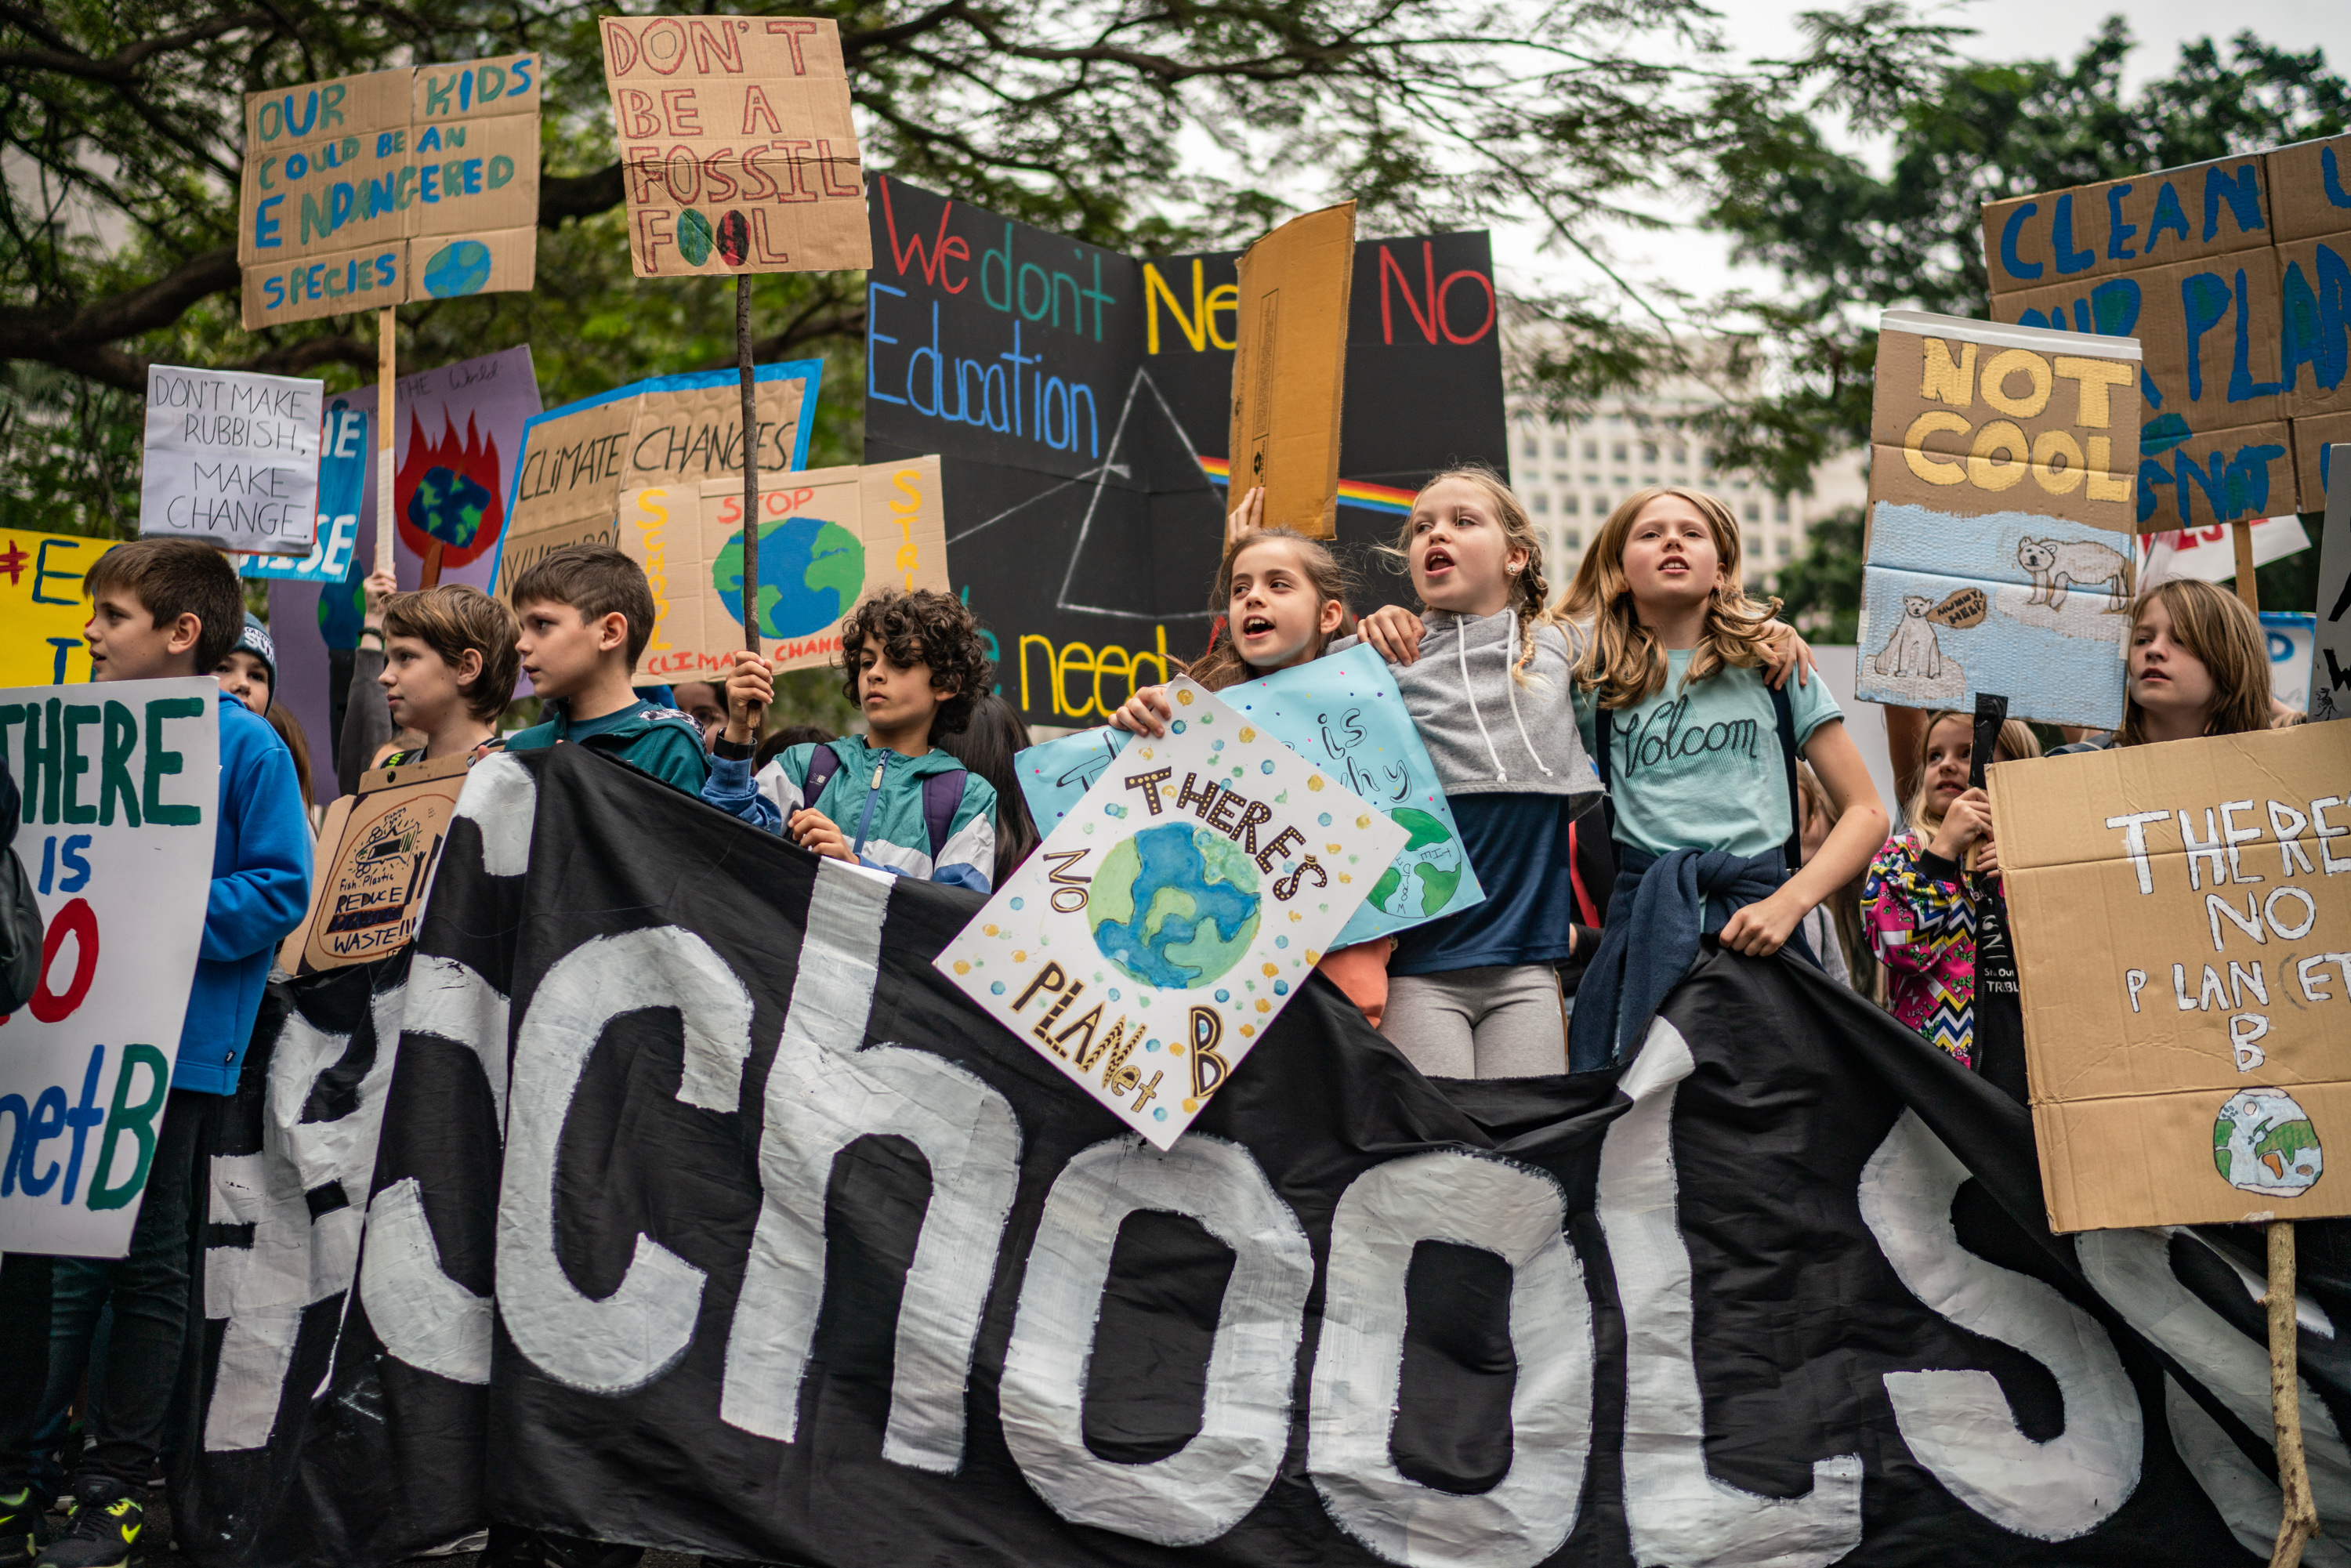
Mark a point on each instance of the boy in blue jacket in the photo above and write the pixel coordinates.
(889, 800)
(162, 608)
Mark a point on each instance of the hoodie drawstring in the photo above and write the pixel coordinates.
(1511, 685)
(1461, 652)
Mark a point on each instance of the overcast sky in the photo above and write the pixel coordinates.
(2005, 29)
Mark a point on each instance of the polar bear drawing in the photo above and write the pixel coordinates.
(2056, 565)
(1911, 651)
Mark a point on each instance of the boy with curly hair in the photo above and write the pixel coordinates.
(890, 799)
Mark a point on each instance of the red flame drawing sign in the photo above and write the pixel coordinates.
(451, 494)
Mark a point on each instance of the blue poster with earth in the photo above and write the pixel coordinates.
(1345, 714)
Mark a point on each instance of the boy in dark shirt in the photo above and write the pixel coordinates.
(587, 613)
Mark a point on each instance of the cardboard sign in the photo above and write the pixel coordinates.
(2183, 933)
(43, 608)
(369, 894)
(828, 537)
(1345, 714)
(1080, 403)
(2330, 659)
(373, 190)
(232, 459)
(1163, 926)
(737, 144)
(122, 794)
(1289, 370)
(2000, 555)
(2221, 269)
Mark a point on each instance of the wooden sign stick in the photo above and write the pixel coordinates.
(386, 361)
(2247, 589)
(750, 472)
(2301, 1511)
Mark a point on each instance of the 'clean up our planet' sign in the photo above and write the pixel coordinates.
(1161, 928)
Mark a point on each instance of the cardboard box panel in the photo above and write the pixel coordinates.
(1937, 640)
(482, 261)
(2107, 1163)
(1289, 370)
(690, 434)
(335, 284)
(2054, 556)
(2091, 232)
(2316, 287)
(2182, 916)
(375, 880)
(2310, 188)
(2037, 379)
(2004, 480)
(2209, 329)
(2220, 477)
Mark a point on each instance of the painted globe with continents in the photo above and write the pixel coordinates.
(449, 507)
(458, 269)
(1174, 906)
(1422, 879)
(810, 574)
(2262, 1141)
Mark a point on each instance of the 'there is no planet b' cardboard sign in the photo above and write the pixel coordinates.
(232, 457)
(1149, 943)
(2183, 935)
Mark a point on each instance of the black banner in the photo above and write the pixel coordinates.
(705, 1214)
(1079, 401)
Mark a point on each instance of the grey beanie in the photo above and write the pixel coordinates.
(255, 640)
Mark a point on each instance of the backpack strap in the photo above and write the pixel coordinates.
(1793, 852)
(823, 763)
(942, 793)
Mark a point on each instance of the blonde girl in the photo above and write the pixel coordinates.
(1698, 753)
(1917, 903)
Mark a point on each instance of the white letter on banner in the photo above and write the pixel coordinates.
(1958, 1422)
(1677, 1511)
(423, 1317)
(294, 1260)
(640, 1331)
(824, 1093)
(1516, 1213)
(2132, 1269)
(1209, 1485)
(501, 800)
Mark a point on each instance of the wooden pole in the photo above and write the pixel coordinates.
(386, 368)
(750, 471)
(2301, 1512)
(2247, 589)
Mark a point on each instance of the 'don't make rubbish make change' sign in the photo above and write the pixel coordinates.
(1147, 945)
(232, 459)
(373, 190)
(121, 795)
(2183, 933)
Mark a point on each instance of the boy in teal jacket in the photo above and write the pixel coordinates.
(889, 800)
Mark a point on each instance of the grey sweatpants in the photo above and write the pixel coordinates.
(1506, 1021)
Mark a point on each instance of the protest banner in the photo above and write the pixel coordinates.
(2182, 926)
(231, 458)
(460, 432)
(737, 144)
(1290, 372)
(43, 608)
(1978, 579)
(2330, 659)
(365, 191)
(1781, 1290)
(1345, 714)
(576, 462)
(121, 792)
(2230, 274)
(1212, 921)
(828, 537)
(370, 887)
(1078, 401)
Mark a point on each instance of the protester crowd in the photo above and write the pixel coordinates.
(1639, 763)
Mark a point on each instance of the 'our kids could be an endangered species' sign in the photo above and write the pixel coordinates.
(232, 459)
(116, 835)
(1345, 714)
(2000, 544)
(737, 144)
(1150, 941)
(2183, 927)
(828, 537)
(373, 190)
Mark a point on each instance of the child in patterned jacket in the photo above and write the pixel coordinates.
(1915, 905)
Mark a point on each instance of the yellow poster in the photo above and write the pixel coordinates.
(42, 609)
